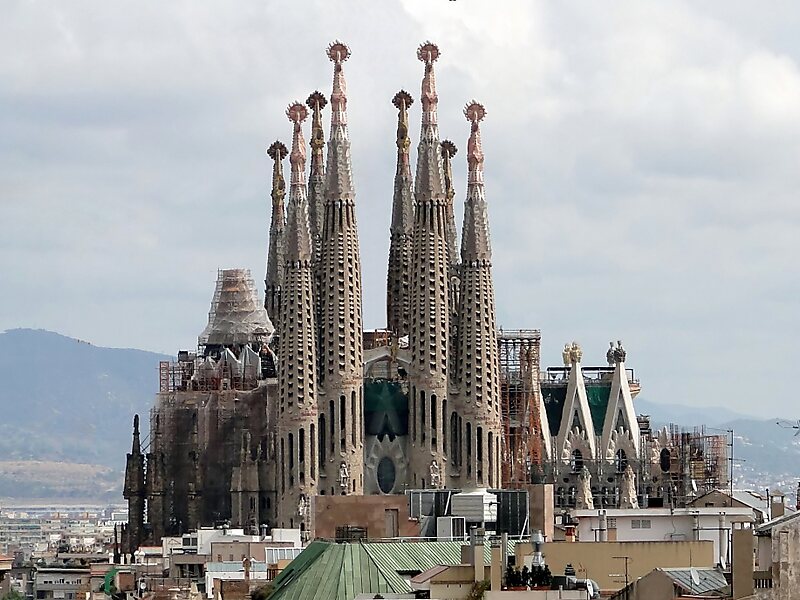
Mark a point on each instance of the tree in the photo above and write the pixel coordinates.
(13, 595)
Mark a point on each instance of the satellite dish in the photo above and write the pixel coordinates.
(695, 576)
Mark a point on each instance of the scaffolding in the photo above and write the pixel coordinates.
(700, 464)
(520, 401)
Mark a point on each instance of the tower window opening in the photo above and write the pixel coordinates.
(469, 449)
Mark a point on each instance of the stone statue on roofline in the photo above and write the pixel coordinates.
(628, 497)
(436, 475)
(584, 496)
(344, 477)
(610, 357)
(576, 353)
(566, 355)
(619, 353)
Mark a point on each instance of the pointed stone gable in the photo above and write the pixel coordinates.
(576, 408)
(620, 414)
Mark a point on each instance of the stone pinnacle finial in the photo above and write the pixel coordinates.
(428, 53)
(338, 52)
(297, 113)
(136, 447)
(277, 152)
(475, 113)
(316, 102)
(402, 101)
(449, 149)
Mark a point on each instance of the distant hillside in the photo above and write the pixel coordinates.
(765, 454)
(66, 400)
(689, 416)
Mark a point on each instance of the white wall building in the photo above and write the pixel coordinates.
(660, 524)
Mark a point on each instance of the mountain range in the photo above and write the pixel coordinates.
(66, 410)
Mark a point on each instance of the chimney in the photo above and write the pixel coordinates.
(777, 505)
(497, 566)
(742, 560)
(477, 555)
(603, 526)
(723, 542)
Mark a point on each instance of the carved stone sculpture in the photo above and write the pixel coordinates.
(436, 475)
(584, 493)
(619, 352)
(610, 358)
(344, 476)
(576, 352)
(628, 497)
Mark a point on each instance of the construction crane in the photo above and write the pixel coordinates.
(789, 425)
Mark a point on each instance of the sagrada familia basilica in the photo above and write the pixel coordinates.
(288, 398)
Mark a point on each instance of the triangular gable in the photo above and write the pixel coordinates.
(620, 409)
(576, 409)
(543, 428)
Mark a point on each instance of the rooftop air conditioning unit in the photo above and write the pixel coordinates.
(450, 529)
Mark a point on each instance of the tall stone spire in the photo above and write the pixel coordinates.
(341, 330)
(478, 360)
(316, 178)
(397, 299)
(297, 420)
(449, 150)
(134, 491)
(429, 291)
(276, 257)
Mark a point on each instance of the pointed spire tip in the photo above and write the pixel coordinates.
(297, 112)
(474, 111)
(338, 52)
(402, 99)
(277, 151)
(428, 52)
(449, 149)
(316, 100)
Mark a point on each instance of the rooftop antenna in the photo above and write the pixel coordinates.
(789, 425)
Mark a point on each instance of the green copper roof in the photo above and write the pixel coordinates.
(555, 394)
(326, 570)
(385, 408)
(341, 571)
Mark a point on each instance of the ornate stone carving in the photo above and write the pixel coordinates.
(610, 355)
(436, 475)
(344, 476)
(619, 353)
(628, 497)
(584, 492)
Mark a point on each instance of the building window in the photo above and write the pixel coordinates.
(577, 461)
(621, 460)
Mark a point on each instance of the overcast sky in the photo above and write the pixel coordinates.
(641, 167)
